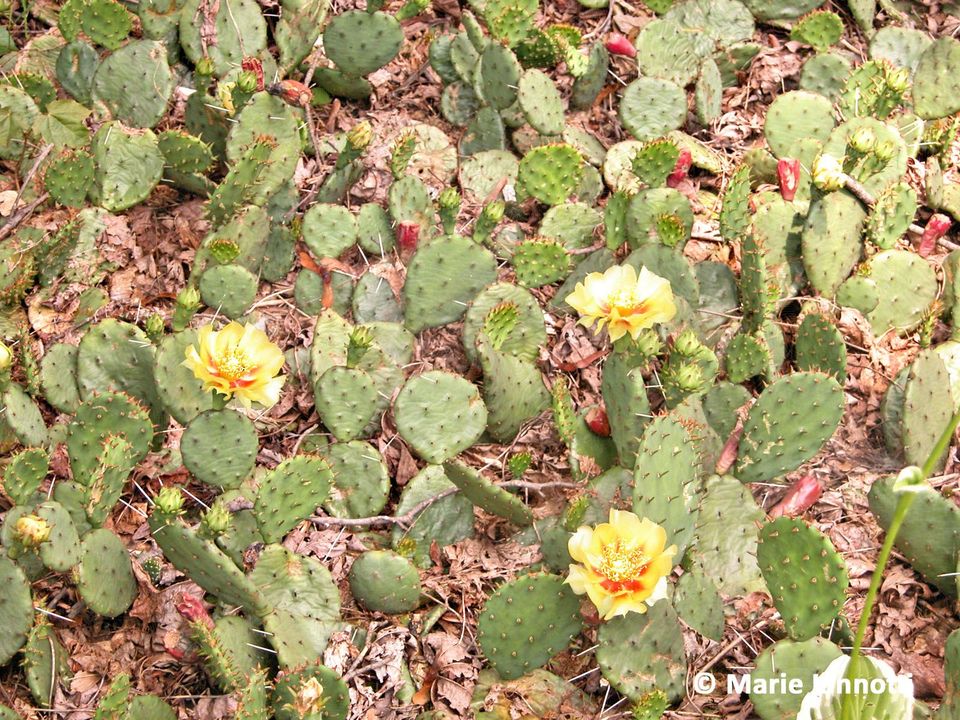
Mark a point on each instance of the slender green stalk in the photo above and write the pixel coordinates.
(899, 515)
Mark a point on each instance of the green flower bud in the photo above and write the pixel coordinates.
(205, 67)
(828, 173)
(215, 521)
(360, 135)
(169, 501)
(154, 327)
(189, 299)
(863, 140)
(31, 530)
(687, 343)
(449, 198)
(898, 79)
(688, 377)
(885, 150)
(247, 81)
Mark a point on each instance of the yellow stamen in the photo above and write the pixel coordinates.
(619, 563)
(233, 364)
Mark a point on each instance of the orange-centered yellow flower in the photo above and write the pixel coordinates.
(238, 360)
(623, 564)
(621, 300)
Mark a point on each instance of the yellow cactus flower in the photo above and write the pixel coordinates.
(623, 564)
(6, 357)
(31, 530)
(238, 360)
(621, 300)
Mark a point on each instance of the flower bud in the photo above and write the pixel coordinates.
(205, 67)
(863, 140)
(169, 501)
(898, 79)
(828, 173)
(247, 82)
(449, 198)
(189, 298)
(6, 357)
(885, 150)
(936, 228)
(215, 521)
(360, 135)
(687, 344)
(154, 327)
(598, 421)
(253, 65)
(31, 530)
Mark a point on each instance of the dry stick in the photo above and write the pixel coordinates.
(864, 196)
(22, 215)
(405, 520)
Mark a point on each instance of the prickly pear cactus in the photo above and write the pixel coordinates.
(526, 622)
(804, 573)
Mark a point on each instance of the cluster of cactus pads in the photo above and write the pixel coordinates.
(491, 231)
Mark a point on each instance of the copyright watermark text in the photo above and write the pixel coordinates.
(706, 683)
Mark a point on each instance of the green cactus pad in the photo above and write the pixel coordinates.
(98, 417)
(481, 173)
(891, 215)
(219, 447)
(361, 483)
(668, 51)
(45, 663)
(61, 550)
(22, 416)
(360, 42)
(832, 240)
(181, 392)
(16, 607)
(666, 480)
(788, 425)
(24, 474)
(459, 103)
(499, 76)
(587, 87)
(104, 576)
(374, 234)
(628, 408)
(526, 622)
(699, 605)
(289, 493)
(909, 287)
(383, 581)
(439, 415)
(651, 107)
(442, 278)
(76, 65)
(328, 230)
(930, 536)
(936, 82)
(129, 165)
(346, 400)
(825, 74)
(858, 292)
(820, 346)
(927, 406)
(804, 573)
(725, 540)
(336, 696)
(903, 47)
(573, 224)
(509, 20)
(540, 261)
(240, 28)
(527, 336)
(445, 522)
(641, 653)
(141, 64)
(205, 564)
(305, 604)
(267, 117)
(118, 356)
(485, 494)
(820, 29)
(69, 179)
(513, 390)
(795, 116)
(648, 206)
(541, 103)
(550, 173)
(793, 660)
(105, 22)
(229, 289)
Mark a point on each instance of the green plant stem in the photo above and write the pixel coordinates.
(899, 515)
